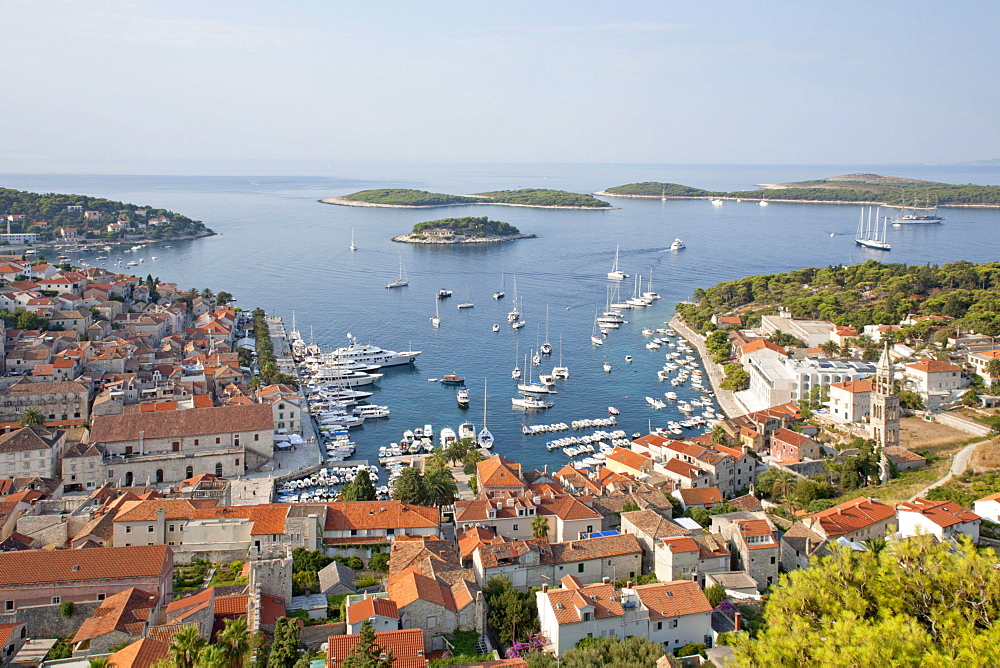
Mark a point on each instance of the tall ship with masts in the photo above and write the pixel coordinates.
(872, 234)
(913, 218)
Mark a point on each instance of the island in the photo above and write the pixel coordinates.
(845, 189)
(470, 230)
(34, 218)
(419, 199)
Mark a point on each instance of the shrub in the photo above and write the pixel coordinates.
(66, 609)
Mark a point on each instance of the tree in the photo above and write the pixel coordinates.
(830, 348)
(716, 594)
(99, 662)
(610, 651)
(379, 562)
(720, 435)
(700, 515)
(31, 416)
(223, 298)
(511, 614)
(212, 656)
(285, 648)
(186, 646)
(234, 638)
(539, 527)
(992, 368)
(367, 653)
(439, 487)
(913, 603)
(359, 489)
(409, 487)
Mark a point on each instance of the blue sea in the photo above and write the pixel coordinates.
(280, 249)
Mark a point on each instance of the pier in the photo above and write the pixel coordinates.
(728, 402)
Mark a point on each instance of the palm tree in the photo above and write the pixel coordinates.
(99, 662)
(720, 435)
(457, 450)
(186, 646)
(30, 417)
(440, 486)
(992, 367)
(235, 638)
(784, 482)
(540, 527)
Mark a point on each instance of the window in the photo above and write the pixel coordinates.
(101, 597)
(659, 626)
(218, 469)
(159, 475)
(8, 605)
(354, 532)
(579, 568)
(197, 442)
(673, 623)
(515, 527)
(175, 446)
(218, 440)
(171, 527)
(56, 600)
(237, 462)
(586, 617)
(150, 529)
(189, 472)
(590, 528)
(128, 529)
(772, 560)
(432, 621)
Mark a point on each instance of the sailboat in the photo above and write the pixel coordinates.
(436, 320)
(352, 246)
(485, 438)
(663, 194)
(402, 280)
(868, 233)
(546, 347)
(468, 300)
(499, 294)
(516, 373)
(594, 338)
(560, 371)
(617, 274)
(514, 314)
(915, 219)
(517, 324)
(649, 294)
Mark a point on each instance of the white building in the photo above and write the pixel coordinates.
(810, 332)
(988, 508)
(778, 381)
(671, 613)
(851, 400)
(943, 519)
(936, 382)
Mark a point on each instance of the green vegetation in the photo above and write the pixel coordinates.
(267, 363)
(872, 293)
(52, 208)
(285, 648)
(511, 614)
(191, 576)
(657, 189)
(544, 197)
(967, 488)
(848, 188)
(367, 653)
(469, 227)
(63, 649)
(408, 197)
(633, 651)
(359, 489)
(66, 609)
(436, 487)
(912, 603)
(227, 575)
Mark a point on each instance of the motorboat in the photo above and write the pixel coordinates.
(656, 403)
(452, 379)
(443, 294)
(530, 403)
(607, 367)
(463, 398)
(373, 355)
(496, 327)
(535, 388)
(628, 359)
(613, 411)
(677, 245)
(447, 437)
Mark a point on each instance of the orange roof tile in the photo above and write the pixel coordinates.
(850, 516)
(568, 604)
(673, 599)
(700, 496)
(854, 386)
(370, 607)
(632, 460)
(407, 647)
(942, 513)
(140, 654)
(28, 567)
(932, 366)
(126, 612)
(498, 471)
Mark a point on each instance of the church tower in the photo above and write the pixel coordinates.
(884, 404)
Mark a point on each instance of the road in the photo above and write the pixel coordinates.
(959, 464)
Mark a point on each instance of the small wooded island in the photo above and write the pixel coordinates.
(469, 230)
(532, 197)
(848, 188)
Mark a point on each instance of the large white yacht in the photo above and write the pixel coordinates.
(373, 355)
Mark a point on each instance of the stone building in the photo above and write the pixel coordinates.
(884, 403)
(31, 451)
(56, 400)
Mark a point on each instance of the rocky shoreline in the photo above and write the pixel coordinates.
(341, 201)
(458, 239)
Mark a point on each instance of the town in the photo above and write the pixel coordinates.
(143, 445)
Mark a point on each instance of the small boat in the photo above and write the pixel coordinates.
(499, 294)
(613, 411)
(452, 379)
(535, 388)
(594, 338)
(436, 320)
(447, 437)
(763, 202)
(530, 403)
(485, 438)
(352, 246)
(677, 245)
(467, 431)
(463, 398)
(716, 202)
(517, 324)
(496, 327)
(444, 294)
(516, 373)
(628, 359)
(402, 281)
(514, 315)
(546, 348)
(655, 403)
(561, 372)
(468, 301)
(617, 274)
(607, 367)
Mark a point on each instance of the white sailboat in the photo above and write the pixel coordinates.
(516, 373)
(468, 300)
(499, 294)
(868, 233)
(402, 280)
(514, 314)
(546, 346)
(436, 320)
(594, 337)
(560, 371)
(485, 438)
(649, 294)
(617, 274)
(517, 324)
(352, 246)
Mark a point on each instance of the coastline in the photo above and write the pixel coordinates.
(604, 193)
(730, 405)
(458, 239)
(341, 201)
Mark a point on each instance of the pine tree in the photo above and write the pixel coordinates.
(409, 487)
(367, 653)
(359, 489)
(285, 648)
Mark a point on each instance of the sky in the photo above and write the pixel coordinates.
(182, 85)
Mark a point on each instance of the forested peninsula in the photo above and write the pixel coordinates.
(966, 295)
(470, 230)
(531, 197)
(848, 188)
(49, 215)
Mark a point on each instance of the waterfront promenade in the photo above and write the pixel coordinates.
(730, 405)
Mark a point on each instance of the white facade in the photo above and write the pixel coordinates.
(778, 381)
(936, 382)
(912, 523)
(849, 404)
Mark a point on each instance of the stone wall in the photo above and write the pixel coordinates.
(273, 577)
(44, 621)
(47, 529)
(214, 556)
(314, 636)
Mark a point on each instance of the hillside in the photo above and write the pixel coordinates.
(536, 197)
(45, 213)
(544, 197)
(876, 188)
(469, 227)
(407, 197)
(861, 294)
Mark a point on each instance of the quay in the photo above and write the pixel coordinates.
(728, 402)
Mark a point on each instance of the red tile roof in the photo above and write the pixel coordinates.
(29, 567)
(140, 654)
(568, 603)
(498, 471)
(700, 496)
(850, 516)
(407, 647)
(673, 599)
(942, 513)
(193, 422)
(854, 386)
(127, 612)
(347, 515)
(370, 607)
(632, 460)
(932, 366)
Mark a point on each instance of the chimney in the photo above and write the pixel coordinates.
(628, 585)
(545, 588)
(737, 621)
(605, 580)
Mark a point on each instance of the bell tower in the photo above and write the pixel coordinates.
(884, 403)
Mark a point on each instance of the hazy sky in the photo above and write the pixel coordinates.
(189, 83)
